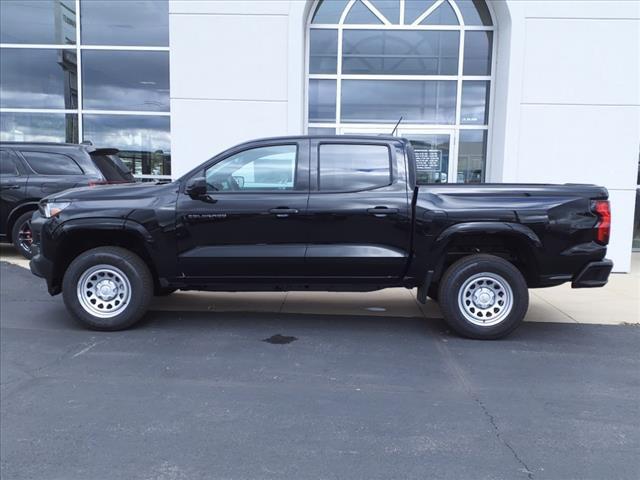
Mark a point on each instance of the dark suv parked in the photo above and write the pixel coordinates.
(31, 171)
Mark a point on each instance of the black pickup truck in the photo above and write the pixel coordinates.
(335, 213)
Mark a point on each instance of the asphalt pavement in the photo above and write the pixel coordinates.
(272, 395)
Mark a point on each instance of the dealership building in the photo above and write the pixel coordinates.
(528, 91)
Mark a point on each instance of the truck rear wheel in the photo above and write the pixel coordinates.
(483, 296)
(107, 288)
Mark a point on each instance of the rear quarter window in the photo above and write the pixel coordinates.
(351, 167)
(112, 168)
(46, 163)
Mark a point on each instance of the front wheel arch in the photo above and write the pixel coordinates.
(75, 241)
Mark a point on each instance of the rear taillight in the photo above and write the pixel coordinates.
(603, 227)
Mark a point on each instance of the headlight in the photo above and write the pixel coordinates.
(51, 209)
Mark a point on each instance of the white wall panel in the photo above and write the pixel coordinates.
(225, 7)
(582, 61)
(240, 57)
(622, 206)
(206, 127)
(578, 143)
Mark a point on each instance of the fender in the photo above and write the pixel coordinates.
(104, 223)
(16, 212)
(487, 228)
(437, 250)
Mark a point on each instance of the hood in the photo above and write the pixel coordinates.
(131, 191)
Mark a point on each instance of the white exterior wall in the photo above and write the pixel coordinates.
(567, 93)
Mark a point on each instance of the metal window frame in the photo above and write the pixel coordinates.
(80, 111)
(459, 78)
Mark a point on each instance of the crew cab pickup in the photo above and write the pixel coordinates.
(334, 213)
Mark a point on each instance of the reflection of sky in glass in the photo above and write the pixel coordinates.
(400, 52)
(134, 22)
(477, 53)
(475, 96)
(38, 127)
(323, 51)
(38, 78)
(471, 156)
(386, 101)
(128, 132)
(353, 167)
(322, 100)
(38, 21)
(329, 11)
(125, 80)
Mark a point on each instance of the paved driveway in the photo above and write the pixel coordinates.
(190, 395)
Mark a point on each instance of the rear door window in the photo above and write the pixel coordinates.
(8, 165)
(112, 168)
(46, 163)
(350, 167)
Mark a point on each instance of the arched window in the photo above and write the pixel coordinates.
(372, 62)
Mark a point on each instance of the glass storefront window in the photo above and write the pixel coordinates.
(120, 77)
(324, 51)
(38, 78)
(401, 60)
(143, 141)
(400, 52)
(472, 153)
(45, 22)
(134, 22)
(376, 101)
(322, 100)
(144, 87)
(477, 53)
(38, 127)
(475, 100)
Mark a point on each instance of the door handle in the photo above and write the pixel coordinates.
(10, 187)
(282, 212)
(382, 211)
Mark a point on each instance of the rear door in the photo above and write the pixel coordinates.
(359, 209)
(251, 223)
(54, 172)
(13, 183)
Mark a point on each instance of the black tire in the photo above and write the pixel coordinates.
(455, 313)
(130, 265)
(22, 228)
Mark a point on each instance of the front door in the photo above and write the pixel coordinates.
(251, 222)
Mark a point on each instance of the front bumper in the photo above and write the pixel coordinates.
(594, 274)
(40, 265)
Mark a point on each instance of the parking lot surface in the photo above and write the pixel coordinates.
(239, 395)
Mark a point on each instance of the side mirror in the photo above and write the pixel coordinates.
(196, 188)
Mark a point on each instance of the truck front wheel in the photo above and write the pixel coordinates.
(483, 296)
(107, 288)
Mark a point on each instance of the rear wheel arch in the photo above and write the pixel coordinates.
(515, 243)
(18, 212)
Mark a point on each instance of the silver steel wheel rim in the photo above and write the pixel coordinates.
(104, 291)
(485, 299)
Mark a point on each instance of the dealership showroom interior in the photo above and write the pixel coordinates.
(495, 91)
